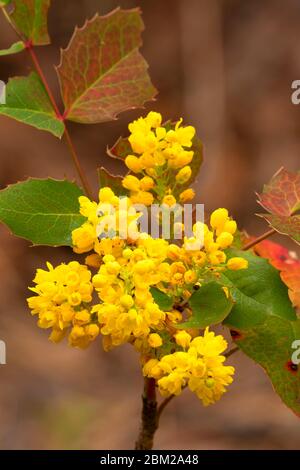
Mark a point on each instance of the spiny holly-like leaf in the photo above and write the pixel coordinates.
(102, 72)
(281, 197)
(28, 102)
(112, 181)
(31, 18)
(13, 49)
(42, 211)
(286, 262)
(209, 305)
(264, 324)
(163, 300)
(269, 344)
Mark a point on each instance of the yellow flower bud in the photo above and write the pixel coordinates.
(131, 182)
(133, 163)
(146, 183)
(142, 197)
(184, 175)
(99, 280)
(187, 195)
(74, 299)
(153, 119)
(169, 200)
(190, 276)
(183, 339)
(217, 257)
(154, 340)
(230, 226)
(237, 263)
(218, 218)
(106, 194)
(225, 239)
(126, 301)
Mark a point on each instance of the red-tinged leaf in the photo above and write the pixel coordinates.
(112, 181)
(120, 149)
(282, 195)
(284, 224)
(31, 20)
(102, 72)
(279, 256)
(285, 261)
(291, 277)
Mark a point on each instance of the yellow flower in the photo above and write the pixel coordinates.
(133, 163)
(147, 183)
(186, 195)
(225, 239)
(131, 182)
(169, 200)
(142, 197)
(154, 340)
(183, 339)
(237, 263)
(184, 175)
(218, 218)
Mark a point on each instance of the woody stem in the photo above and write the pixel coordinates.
(259, 239)
(149, 419)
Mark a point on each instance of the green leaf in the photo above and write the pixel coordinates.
(270, 345)
(257, 291)
(210, 306)
(28, 102)
(3, 3)
(42, 211)
(102, 72)
(30, 18)
(112, 181)
(13, 49)
(286, 225)
(264, 324)
(163, 300)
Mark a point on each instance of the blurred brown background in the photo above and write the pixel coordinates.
(227, 68)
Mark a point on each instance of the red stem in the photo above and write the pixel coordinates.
(259, 239)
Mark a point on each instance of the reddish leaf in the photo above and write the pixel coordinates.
(285, 261)
(120, 149)
(102, 72)
(281, 197)
(286, 225)
(30, 18)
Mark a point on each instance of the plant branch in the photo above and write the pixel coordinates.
(69, 142)
(162, 406)
(232, 351)
(259, 239)
(149, 420)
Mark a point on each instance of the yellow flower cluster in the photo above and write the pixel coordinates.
(111, 217)
(111, 295)
(162, 153)
(63, 302)
(127, 310)
(200, 368)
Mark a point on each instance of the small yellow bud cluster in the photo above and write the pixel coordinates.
(159, 151)
(200, 367)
